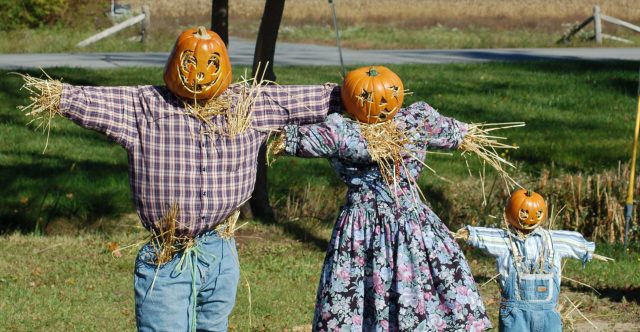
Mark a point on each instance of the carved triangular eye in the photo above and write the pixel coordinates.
(365, 96)
(383, 101)
(395, 91)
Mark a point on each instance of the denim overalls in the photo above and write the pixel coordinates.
(530, 293)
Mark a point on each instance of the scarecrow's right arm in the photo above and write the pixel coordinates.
(490, 240)
(109, 110)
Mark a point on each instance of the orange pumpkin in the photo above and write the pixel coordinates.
(199, 66)
(525, 209)
(372, 94)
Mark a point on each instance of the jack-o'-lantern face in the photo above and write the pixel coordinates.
(525, 210)
(372, 94)
(199, 66)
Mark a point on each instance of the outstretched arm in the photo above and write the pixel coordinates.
(278, 105)
(109, 110)
(432, 128)
(569, 244)
(490, 240)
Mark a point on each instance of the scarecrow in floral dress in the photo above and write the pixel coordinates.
(193, 147)
(391, 264)
(528, 259)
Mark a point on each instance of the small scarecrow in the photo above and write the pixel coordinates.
(528, 259)
(193, 147)
(391, 263)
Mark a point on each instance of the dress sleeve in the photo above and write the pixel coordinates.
(572, 245)
(279, 105)
(109, 110)
(314, 140)
(493, 241)
(433, 129)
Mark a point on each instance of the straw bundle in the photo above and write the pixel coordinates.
(386, 145)
(44, 95)
(228, 228)
(239, 120)
(480, 142)
(205, 110)
(165, 242)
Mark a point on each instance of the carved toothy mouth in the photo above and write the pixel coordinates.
(197, 87)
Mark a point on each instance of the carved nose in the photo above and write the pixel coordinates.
(199, 76)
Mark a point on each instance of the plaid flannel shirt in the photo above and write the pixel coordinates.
(177, 159)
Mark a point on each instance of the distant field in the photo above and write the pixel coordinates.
(383, 24)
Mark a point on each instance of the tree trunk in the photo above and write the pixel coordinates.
(259, 206)
(220, 19)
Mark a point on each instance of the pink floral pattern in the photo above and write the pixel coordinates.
(391, 264)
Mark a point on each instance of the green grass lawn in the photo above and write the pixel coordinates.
(579, 117)
(73, 283)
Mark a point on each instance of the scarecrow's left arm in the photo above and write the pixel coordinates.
(434, 129)
(279, 105)
(569, 244)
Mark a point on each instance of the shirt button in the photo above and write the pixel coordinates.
(204, 169)
(204, 193)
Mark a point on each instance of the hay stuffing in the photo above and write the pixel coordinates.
(44, 97)
(165, 242)
(480, 142)
(386, 145)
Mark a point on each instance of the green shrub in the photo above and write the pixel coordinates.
(30, 13)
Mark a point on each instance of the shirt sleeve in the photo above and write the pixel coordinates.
(568, 244)
(435, 130)
(493, 241)
(109, 110)
(278, 105)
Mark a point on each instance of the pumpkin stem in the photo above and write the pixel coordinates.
(529, 193)
(372, 72)
(202, 33)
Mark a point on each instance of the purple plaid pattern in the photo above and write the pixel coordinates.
(175, 158)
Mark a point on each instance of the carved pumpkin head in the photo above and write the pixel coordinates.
(525, 210)
(199, 66)
(372, 94)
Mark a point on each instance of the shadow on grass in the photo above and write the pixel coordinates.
(47, 188)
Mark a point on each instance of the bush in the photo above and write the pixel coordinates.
(30, 13)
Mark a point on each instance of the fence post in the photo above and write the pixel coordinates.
(145, 23)
(597, 22)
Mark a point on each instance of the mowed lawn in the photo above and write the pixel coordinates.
(579, 116)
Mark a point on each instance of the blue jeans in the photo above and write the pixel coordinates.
(196, 290)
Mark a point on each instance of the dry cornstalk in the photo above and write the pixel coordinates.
(44, 95)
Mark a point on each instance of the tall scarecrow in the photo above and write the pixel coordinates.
(528, 259)
(391, 264)
(192, 147)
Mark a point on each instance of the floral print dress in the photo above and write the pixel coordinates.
(391, 264)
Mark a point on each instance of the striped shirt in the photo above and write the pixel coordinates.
(496, 242)
(177, 159)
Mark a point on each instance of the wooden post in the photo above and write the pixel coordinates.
(145, 23)
(220, 19)
(597, 22)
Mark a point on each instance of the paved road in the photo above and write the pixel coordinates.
(241, 52)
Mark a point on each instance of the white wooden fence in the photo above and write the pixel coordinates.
(144, 18)
(598, 35)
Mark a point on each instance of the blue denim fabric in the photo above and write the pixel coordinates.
(529, 300)
(164, 295)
